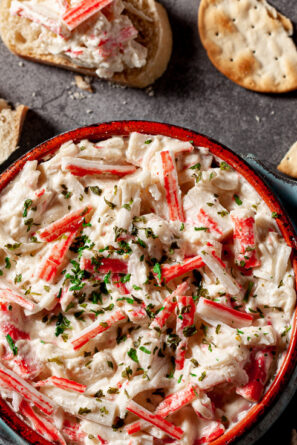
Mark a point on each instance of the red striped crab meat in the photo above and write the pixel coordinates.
(37, 13)
(204, 211)
(214, 312)
(244, 235)
(68, 223)
(83, 167)
(169, 180)
(51, 267)
(75, 16)
(210, 428)
(258, 370)
(155, 420)
(172, 403)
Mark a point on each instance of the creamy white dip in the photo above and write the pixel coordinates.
(105, 42)
(122, 271)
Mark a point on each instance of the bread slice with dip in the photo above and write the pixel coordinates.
(128, 42)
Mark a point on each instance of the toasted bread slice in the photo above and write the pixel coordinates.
(250, 42)
(11, 123)
(155, 35)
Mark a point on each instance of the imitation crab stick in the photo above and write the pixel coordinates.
(208, 222)
(41, 425)
(37, 15)
(116, 281)
(176, 401)
(172, 191)
(95, 329)
(185, 319)
(75, 16)
(68, 223)
(156, 420)
(60, 382)
(104, 265)
(209, 431)
(169, 305)
(73, 431)
(14, 382)
(258, 372)
(169, 405)
(211, 310)
(15, 297)
(218, 267)
(83, 167)
(10, 329)
(244, 237)
(209, 427)
(171, 271)
(57, 255)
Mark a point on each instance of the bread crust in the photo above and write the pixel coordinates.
(156, 35)
(11, 124)
(248, 52)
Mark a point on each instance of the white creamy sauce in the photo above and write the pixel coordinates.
(106, 42)
(143, 208)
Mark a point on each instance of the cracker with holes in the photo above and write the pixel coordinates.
(288, 164)
(251, 43)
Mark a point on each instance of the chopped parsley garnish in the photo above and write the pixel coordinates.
(224, 166)
(202, 377)
(27, 205)
(182, 226)
(128, 205)
(65, 192)
(196, 166)
(7, 263)
(248, 291)
(13, 246)
(62, 324)
(84, 411)
(287, 329)
(148, 141)
(237, 200)
(275, 215)
(189, 331)
(145, 350)
(110, 204)
(11, 344)
(194, 362)
(126, 278)
(76, 276)
(96, 190)
(18, 278)
(157, 270)
(201, 228)
(132, 353)
(29, 223)
(140, 242)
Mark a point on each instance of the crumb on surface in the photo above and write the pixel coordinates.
(84, 83)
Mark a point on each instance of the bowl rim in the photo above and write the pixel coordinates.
(101, 131)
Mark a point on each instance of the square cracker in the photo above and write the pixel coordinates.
(288, 164)
(250, 42)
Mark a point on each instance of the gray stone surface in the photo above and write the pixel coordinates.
(192, 93)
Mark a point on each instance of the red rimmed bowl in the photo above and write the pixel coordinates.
(102, 131)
